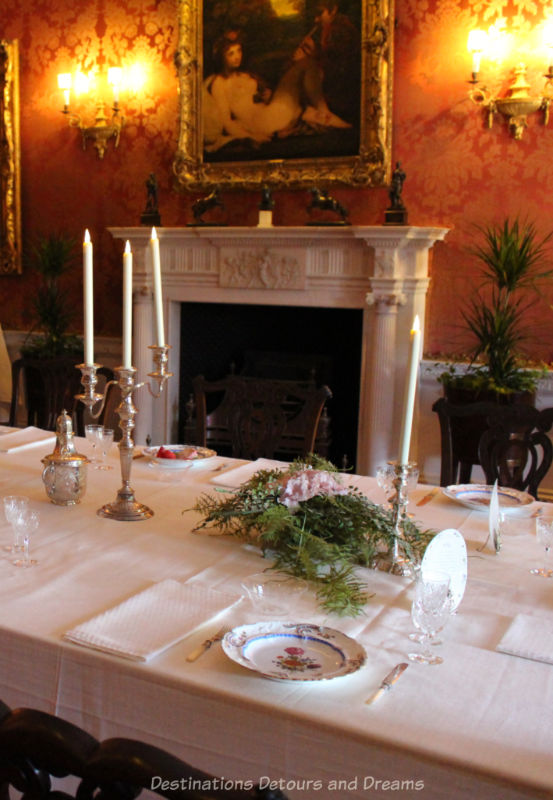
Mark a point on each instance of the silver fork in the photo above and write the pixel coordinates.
(206, 644)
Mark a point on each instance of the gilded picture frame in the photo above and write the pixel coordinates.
(368, 162)
(10, 198)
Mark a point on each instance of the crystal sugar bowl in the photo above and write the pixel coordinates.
(64, 473)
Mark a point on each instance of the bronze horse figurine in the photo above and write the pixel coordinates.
(205, 204)
(322, 200)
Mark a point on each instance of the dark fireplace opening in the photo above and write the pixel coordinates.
(287, 342)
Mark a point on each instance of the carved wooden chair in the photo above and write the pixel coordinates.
(515, 450)
(49, 387)
(36, 746)
(258, 417)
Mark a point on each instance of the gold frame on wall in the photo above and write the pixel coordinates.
(369, 167)
(10, 233)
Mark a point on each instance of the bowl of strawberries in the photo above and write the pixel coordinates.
(178, 456)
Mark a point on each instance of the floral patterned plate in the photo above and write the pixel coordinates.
(477, 496)
(293, 651)
(186, 455)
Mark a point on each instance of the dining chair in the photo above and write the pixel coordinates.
(515, 449)
(461, 426)
(36, 747)
(47, 386)
(258, 417)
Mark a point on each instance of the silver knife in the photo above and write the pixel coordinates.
(388, 682)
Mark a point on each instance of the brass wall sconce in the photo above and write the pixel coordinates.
(104, 128)
(518, 104)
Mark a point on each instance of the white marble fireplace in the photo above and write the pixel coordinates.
(382, 270)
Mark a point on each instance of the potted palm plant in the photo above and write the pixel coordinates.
(514, 264)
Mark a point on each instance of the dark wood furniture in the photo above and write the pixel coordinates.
(258, 417)
(49, 386)
(509, 442)
(36, 747)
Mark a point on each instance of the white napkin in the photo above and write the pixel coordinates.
(494, 519)
(25, 438)
(529, 637)
(152, 621)
(234, 478)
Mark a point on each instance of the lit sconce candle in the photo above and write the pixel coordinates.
(158, 299)
(114, 78)
(64, 83)
(127, 307)
(88, 301)
(410, 392)
(476, 45)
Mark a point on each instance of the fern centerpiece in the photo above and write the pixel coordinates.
(314, 526)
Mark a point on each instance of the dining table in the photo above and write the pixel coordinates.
(478, 725)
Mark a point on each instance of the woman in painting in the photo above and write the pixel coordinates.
(237, 105)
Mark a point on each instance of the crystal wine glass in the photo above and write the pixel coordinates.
(92, 434)
(105, 442)
(544, 535)
(385, 477)
(25, 524)
(14, 506)
(430, 611)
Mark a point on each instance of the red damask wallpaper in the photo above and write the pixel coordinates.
(459, 173)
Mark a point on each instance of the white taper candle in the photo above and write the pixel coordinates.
(127, 306)
(88, 300)
(410, 392)
(158, 299)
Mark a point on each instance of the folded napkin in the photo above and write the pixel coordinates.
(152, 621)
(528, 637)
(23, 438)
(234, 478)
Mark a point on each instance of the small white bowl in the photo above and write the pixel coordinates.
(272, 594)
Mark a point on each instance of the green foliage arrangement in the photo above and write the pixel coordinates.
(513, 260)
(314, 527)
(52, 257)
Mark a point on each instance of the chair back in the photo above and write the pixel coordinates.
(258, 417)
(515, 450)
(50, 386)
(461, 426)
(36, 746)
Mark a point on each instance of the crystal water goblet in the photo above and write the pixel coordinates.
(14, 506)
(25, 524)
(544, 535)
(105, 442)
(385, 477)
(430, 610)
(92, 434)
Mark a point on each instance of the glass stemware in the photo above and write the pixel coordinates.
(14, 506)
(25, 524)
(105, 442)
(93, 434)
(430, 610)
(385, 477)
(544, 535)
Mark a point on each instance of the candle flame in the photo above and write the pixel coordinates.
(128, 247)
(154, 233)
(416, 325)
(86, 237)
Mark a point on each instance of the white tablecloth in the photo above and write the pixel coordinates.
(478, 726)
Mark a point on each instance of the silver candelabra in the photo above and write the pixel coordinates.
(401, 565)
(125, 507)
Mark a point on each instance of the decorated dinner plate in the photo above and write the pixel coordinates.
(293, 651)
(478, 496)
(186, 455)
(447, 552)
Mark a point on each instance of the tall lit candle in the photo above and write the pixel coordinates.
(410, 392)
(127, 306)
(158, 299)
(88, 300)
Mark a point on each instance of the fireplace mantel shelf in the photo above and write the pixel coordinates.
(382, 269)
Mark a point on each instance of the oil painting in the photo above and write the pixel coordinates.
(10, 232)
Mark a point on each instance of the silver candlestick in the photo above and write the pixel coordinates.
(125, 507)
(401, 565)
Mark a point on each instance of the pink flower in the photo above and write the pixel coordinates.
(309, 483)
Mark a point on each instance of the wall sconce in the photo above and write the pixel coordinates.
(103, 129)
(518, 103)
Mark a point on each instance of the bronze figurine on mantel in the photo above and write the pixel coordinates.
(329, 208)
(396, 213)
(150, 215)
(205, 204)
